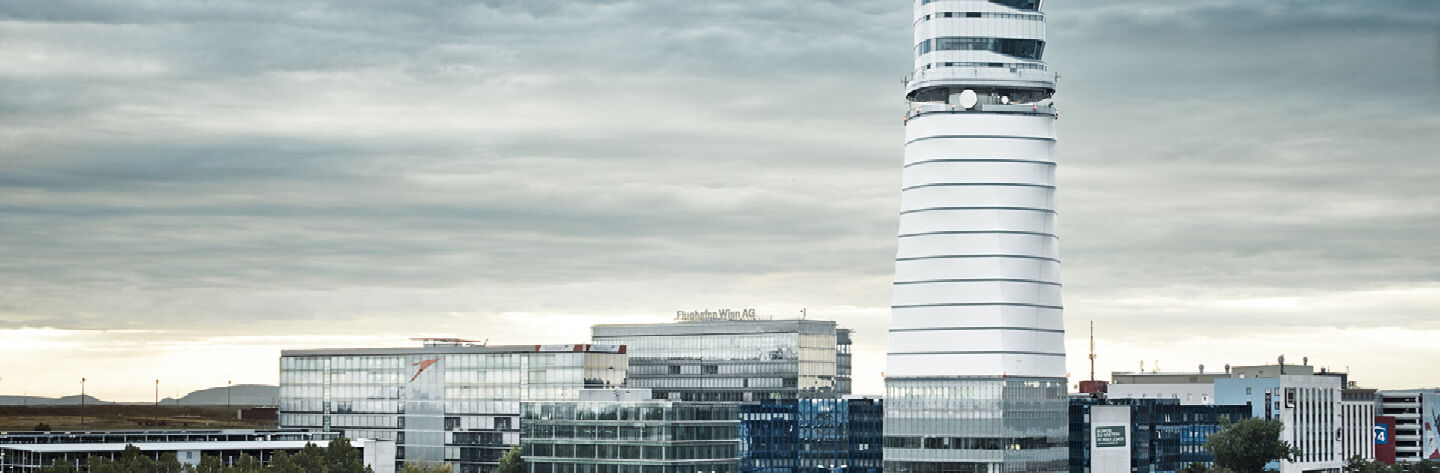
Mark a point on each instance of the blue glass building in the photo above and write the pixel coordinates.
(1166, 435)
(812, 436)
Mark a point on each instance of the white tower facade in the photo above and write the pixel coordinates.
(976, 368)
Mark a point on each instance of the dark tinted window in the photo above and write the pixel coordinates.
(1033, 5)
(1021, 48)
(1021, 4)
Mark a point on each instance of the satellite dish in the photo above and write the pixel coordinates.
(968, 99)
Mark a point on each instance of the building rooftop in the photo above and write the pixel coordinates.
(1165, 377)
(713, 327)
(160, 446)
(456, 349)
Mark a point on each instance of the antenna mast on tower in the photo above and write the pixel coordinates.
(1092, 350)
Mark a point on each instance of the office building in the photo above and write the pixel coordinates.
(1160, 435)
(1357, 439)
(30, 451)
(718, 358)
(812, 436)
(975, 377)
(448, 401)
(1308, 405)
(630, 434)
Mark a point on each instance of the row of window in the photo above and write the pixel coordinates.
(603, 411)
(475, 360)
(1020, 48)
(551, 466)
(712, 383)
(998, 65)
(660, 368)
(719, 451)
(642, 433)
(973, 443)
(973, 14)
(1032, 5)
(384, 399)
(1051, 462)
(646, 433)
(398, 407)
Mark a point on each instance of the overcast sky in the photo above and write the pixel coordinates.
(188, 187)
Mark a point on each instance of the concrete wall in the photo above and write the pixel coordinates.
(1109, 454)
(1187, 394)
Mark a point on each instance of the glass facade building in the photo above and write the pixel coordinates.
(650, 436)
(812, 436)
(949, 425)
(456, 404)
(1165, 435)
(735, 360)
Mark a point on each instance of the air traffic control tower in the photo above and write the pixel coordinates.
(975, 379)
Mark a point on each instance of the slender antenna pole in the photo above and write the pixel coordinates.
(1092, 350)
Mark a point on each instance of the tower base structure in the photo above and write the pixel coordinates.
(976, 425)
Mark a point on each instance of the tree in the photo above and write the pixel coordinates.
(43, 427)
(247, 464)
(169, 464)
(211, 464)
(341, 457)
(1202, 468)
(310, 459)
(1425, 466)
(512, 461)
(1194, 468)
(1246, 446)
(131, 460)
(1360, 465)
(282, 462)
(59, 466)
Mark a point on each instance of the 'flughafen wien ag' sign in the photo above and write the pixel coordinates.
(722, 314)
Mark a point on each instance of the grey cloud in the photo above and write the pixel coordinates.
(368, 161)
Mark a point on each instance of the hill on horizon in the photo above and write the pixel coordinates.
(240, 395)
(72, 400)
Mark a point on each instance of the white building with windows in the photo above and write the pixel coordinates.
(975, 376)
(1308, 405)
(1358, 409)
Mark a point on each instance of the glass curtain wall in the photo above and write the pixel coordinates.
(972, 425)
(460, 408)
(734, 360)
(630, 437)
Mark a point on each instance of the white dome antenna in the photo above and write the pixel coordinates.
(968, 99)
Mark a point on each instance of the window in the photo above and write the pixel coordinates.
(1020, 48)
(1019, 4)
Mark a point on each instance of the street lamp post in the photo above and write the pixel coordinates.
(82, 403)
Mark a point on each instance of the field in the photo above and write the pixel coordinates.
(125, 417)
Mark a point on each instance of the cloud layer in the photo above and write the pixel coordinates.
(375, 170)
